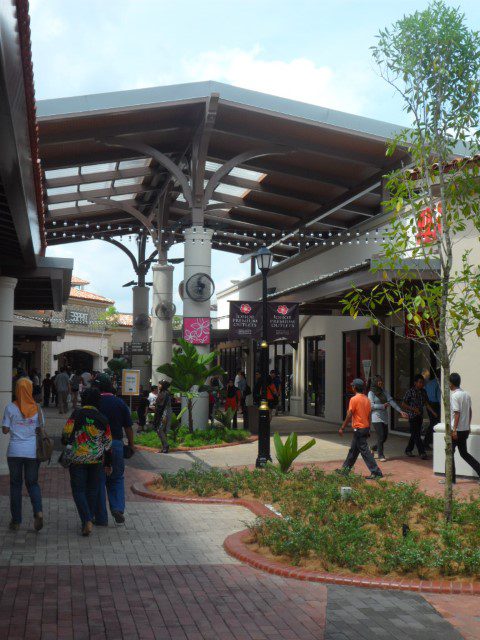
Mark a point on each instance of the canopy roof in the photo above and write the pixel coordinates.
(318, 169)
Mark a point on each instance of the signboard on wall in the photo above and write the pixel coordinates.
(72, 316)
(137, 348)
(245, 320)
(130, 382)
(282, 321)
(196, 330)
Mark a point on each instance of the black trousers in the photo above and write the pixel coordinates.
(358, 447)
(416, 435)
(461, 443)
(428, 439)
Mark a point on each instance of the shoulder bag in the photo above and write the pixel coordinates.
(44, 442)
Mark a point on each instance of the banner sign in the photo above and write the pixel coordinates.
(196, 330)
(130, 382)
(245, 320)
(282, 318)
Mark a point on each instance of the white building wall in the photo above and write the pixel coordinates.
(95, 344)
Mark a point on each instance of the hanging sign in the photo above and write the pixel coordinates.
(282, 321)
(245, 320)
(196, 330)
(130, 382)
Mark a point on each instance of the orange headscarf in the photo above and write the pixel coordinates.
(24, 398)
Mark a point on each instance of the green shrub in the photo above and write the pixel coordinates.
(288, 451)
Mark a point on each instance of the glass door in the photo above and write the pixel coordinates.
(314, 401)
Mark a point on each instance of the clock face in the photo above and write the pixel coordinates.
(200, 287)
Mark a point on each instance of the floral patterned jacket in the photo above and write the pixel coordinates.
(92, 441)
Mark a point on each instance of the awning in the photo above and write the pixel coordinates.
(38, 334)
(322, 295)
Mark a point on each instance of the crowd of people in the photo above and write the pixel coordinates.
(366, 411)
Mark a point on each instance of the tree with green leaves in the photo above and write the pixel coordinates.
(432, 59)
(188, 372)
(109, 317)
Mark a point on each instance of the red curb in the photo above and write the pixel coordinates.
(236, 547)
(143, 447)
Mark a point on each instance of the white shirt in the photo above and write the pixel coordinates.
(152, 398)
(23, 441)
(461, 402)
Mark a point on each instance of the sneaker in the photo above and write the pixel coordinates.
(382, 459)
(343, 471)
(374, 476)
(38, 521)
(165, 449)
(410, 454)
(14, 526)
(87, 529)
(118, 517)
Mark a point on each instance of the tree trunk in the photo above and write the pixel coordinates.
(448, 442)
(190, 415)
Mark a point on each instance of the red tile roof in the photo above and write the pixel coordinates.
(23, 21)
(78, 294)
(125, 320)
(78, 281)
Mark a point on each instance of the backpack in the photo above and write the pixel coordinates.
(44, 442)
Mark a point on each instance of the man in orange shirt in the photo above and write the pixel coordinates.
(358, 413)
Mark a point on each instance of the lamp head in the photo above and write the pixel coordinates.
(264, 259)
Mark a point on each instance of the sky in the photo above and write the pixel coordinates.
(316, 51)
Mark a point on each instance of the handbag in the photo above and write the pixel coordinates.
(65, 458)
(44, 442)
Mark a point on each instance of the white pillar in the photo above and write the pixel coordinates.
(141, 307)
(198, 259)
(7, 288)
(162, 334)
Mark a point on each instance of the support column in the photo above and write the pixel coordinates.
(7, 288)
(198, 259)
(139, 334)
(162, 333)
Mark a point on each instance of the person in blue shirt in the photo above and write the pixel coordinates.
(434, 398)
(120, 421)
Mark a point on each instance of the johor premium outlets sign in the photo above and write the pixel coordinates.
(246, 321)
(77, 317)
(282, 321)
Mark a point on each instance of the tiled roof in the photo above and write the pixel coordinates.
(78, 281)
(23, 21)
(125, 320)
(87, 295)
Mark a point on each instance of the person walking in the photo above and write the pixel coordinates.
(163, 413)
(461, 417)
(275, 378)
(380, 400)
(232, 401)
(75, 382)
(87, 378)
(62, 386)
(143, 406)
(37, 387)
(120, 422)
(244, 391)
(414, 402)
(54, 389)
(359, 410)
(434, 398)
(47, 390)
(88, 443)
(21, 420)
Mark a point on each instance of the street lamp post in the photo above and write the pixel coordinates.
(264, 259)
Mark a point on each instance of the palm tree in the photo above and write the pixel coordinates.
(188, 372)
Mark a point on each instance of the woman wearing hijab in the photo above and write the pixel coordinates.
(380, 401)
(21, 419)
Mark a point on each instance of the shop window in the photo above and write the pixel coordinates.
(357, 361)
(315, 376)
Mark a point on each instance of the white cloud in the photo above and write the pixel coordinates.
(298, 78)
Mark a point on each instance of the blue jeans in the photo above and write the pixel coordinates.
(17, 467)
(115, 485)
(85, 483)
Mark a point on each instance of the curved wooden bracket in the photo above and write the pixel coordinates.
(118, 204)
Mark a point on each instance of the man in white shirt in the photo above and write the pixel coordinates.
(461, 411)
(86, 379)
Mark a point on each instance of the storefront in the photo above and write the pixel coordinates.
(314, 394)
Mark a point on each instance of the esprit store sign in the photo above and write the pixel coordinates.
(246, 320)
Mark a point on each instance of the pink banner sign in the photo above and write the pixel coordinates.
(196, 330)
